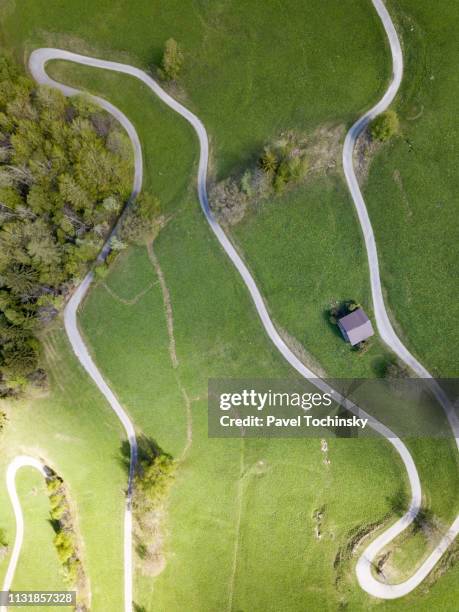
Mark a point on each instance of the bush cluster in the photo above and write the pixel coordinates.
(3, 545)
(154, 478)
(384, 126)
(172, 61)
(285, 163)
(64, 539)
(65, 173)
(281, 165)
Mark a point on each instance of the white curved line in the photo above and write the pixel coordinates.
(388, 335)
(82, 353)
(37, 62)
(383, 324)
(17, 463)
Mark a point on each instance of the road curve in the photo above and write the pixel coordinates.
(17, 463)
(37, 62)
(383, 324)
(387, 333)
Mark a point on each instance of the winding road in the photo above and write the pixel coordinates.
(367, 581)
(16, 464)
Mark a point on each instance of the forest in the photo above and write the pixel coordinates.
(65, 176)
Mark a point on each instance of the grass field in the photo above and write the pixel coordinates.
(38, 537)
(412, 188)
(230, 542)
(216, 477)
(231, 80)
(222, 506)
(306, 253)
(72, 430)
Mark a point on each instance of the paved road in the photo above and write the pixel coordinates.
(37, 62)
(387, 333)
(384, 326)
(17, 463)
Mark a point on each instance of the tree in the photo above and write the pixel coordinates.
(172, 61)
(19, 358)
(20, 279)
(61, 186)
(268, 160)
(139, 220)
(154, 478)
(73, 193)
(50, 101)
(112, 204)
(65, 545)
(384, 126)
(396, 370)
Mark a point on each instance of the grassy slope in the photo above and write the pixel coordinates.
(232, 80)
(74, 431)
(300, 248)
(38, 536)
(238, 128)
(204, 506)
(199, 296)
(412, 187)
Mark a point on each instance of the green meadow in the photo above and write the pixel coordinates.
(241, 525)
(74, 431)
(412, 188)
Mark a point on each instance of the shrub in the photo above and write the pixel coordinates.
(71, 570)
(172, 62)
(269, 161)
(138, 223)
(362, 347)
(384, 126)
(101, 270)
(396, 370)
(65, 545)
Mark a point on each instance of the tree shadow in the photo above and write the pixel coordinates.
(399, 502)
(335, 311)
(380, 364)
(332, 326)
(147, 450)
